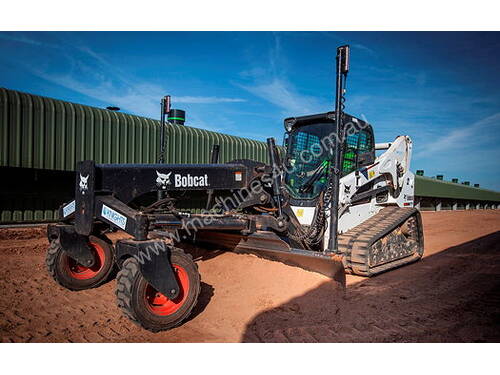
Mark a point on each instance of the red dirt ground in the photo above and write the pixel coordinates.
(452, 295)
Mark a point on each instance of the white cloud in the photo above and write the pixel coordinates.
(281, 93)
(140, 99)
(91, 74)
(353, 44)
(133, 99)
(207, 99)
(461, 138)
(270, 83)
(362, 47)
(20, 38)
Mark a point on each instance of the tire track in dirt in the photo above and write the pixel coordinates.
(451, 295)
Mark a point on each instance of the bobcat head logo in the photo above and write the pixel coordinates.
(84, 185)
(163, 180)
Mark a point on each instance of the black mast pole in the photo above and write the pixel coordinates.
(342, 67)
(165, 109)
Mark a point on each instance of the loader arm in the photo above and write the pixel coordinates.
(388, 181)
(395, 162)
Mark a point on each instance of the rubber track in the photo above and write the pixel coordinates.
(356, 243)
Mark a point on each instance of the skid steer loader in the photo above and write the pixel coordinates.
(328, 205)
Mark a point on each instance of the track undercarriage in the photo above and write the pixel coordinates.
(387, 240)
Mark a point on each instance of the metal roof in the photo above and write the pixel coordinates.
(430, 187)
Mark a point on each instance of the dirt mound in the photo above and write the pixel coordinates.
(451, 295)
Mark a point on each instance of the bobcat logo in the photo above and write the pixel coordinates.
(163, 180)
(84, 185)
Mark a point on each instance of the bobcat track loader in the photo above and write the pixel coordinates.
(328, 205)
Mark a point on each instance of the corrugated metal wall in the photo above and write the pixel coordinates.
(44, 133)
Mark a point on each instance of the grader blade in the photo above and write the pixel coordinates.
(269, 246)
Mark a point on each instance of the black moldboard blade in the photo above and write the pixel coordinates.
(327, 265)
(268, 245)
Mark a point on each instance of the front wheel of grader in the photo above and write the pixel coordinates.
(74, 276)
(147, 307)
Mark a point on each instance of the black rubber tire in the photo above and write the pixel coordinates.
(131, 291)
(57, 265)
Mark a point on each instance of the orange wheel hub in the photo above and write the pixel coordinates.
(77, 271)
(158, 304)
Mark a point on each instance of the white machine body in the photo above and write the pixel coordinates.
(391, 170)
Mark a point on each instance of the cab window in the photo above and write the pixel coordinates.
(356, 144)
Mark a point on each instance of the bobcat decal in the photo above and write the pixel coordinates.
(163, 179)
(84, 185)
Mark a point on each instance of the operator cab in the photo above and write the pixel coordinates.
(310, 142)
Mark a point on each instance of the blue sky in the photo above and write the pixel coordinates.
(439, 88)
